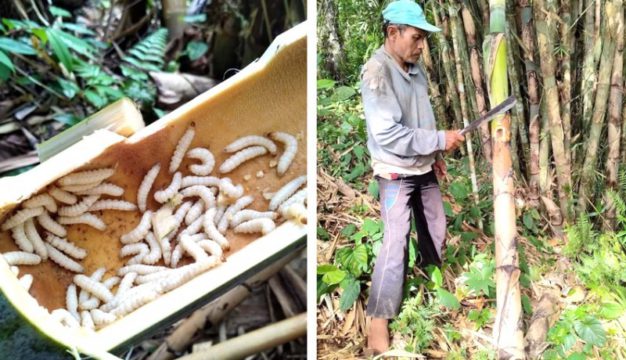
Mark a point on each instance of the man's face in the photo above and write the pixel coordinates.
(408, 44)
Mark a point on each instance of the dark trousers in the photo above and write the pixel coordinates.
(417, 196)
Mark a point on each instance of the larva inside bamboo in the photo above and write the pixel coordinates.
(80, 207)
(251, 140)
(33, 236)
(63, 196)
(262, 225)
(66, 246)
(52, 226)
(181, 149)
(286, 191)
(146, 185)
(62, 260)
(18, 233)
(140, 231)
(169, 192)
(85, 218)
(204, 155)
(240, 157)
(119, 205)
(21, 258)
(104, 189)
(86, 177)
(44, 200)
(21, 216)
(291, 148)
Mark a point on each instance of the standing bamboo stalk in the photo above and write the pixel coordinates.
(615, 108)
(545, 42)
(470, 31)
(433, 84)
(508, 334)
(528, 36)
(586, 194)
(545, 179)
(565, 85)
(461, 60)
(589, 68)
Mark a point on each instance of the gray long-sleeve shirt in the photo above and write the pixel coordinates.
(401, 125)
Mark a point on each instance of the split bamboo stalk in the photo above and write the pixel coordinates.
(545, 41)
(433, 84)
(255, 341)
(614, 127)
(444, 48)
(585, 191)
(481, 104)
(528, 40)
(458, 48)
(507, 329)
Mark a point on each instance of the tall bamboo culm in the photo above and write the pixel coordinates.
(507, 329)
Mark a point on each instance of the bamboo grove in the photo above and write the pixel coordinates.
(565, 65)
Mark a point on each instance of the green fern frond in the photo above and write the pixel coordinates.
(580, 237)
(148, 54)
(621, 182)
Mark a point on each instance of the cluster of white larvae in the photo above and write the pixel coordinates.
(195, 213)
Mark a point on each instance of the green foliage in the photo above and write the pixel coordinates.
(479, 279)
(416, 320)
(576, 325)
(480, 318)
(446, 298)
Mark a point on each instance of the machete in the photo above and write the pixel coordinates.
(499, 109)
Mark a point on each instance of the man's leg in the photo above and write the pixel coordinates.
(389, 269)
(430, 220)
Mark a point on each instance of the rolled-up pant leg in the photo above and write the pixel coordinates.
(430, 220)
(389, 269)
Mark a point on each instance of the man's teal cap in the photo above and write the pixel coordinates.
(408, 12)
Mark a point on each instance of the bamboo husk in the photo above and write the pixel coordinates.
(545, 41)
(545, 314)
(586, 195)
(614, 126)
(507, 330)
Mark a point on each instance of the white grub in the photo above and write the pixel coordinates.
(138, 249)
(104, 189)
(134, 301)
(181, 149)
(140, 269)
(44, 200)
(119, 205)
(251, 140)
(65, 318)
(21, 258)
(166, 248)
(80, 188)
(260, 174)
(21, 216)
(86, 177)
(188, 272)
(111, 282)
(212, 248)
(85, 218)
(26, 281)
(71, 300)
(203, 192)
(139, 232)
(211, 230)
(35, 239)
(146, 185)
(144, 279)
(298, 197)
(66, 246)
(91, 303)
(286, 191)
(196, 211)
(86, 321)
(94, 287)
(291, 148)
(193, 249)
(21, 240)
(101, 318)
(193, 228)
(204, 155)
(241, 203)
(296, 212)
(80, 208)
(240, 157)
(229, 192)
(262, 225)
(199, 180)
(62, 260)
(15, 270)
(155, 250)
(246, 214)
(126, 283)
(84, 295)
(62, 196)
(164, 195)
(177, 254)
(51, 225)
(220, 210)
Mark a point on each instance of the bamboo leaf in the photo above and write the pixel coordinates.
(80, 29)
(59, 48)
(5, 61)
(16, 47)
(57, 11)
(196, 49)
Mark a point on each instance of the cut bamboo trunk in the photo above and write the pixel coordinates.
(586, 193)
(615, 117)
(507, 330)
(477, 77)
(545, 41)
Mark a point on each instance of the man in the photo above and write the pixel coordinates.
(406, 158)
